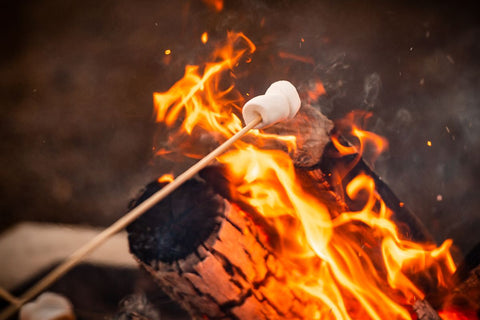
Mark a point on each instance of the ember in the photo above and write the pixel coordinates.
(347, 264)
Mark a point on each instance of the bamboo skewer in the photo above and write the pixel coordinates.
(7, 296)
(120, 224)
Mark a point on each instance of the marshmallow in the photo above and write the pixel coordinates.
(280, 102)
(48, 306)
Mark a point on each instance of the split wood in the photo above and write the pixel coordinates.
(121, 223)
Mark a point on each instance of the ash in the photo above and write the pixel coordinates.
(136, 307)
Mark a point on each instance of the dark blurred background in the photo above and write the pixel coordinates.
(77, 79)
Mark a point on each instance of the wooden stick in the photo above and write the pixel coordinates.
(121, 223)
(4, 294)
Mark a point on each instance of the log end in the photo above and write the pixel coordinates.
(174, 228)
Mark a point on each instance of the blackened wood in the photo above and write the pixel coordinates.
(469, 263)
(465, 297)
(310, 128)
(178, 225)
(230, 270)
(231, 275)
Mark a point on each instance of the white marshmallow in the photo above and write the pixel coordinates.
(48, 306)
(280, 102)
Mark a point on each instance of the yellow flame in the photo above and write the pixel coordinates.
(200, 99)
(354, 264)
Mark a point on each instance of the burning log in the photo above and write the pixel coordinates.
(263, 237)
(209, 256)
(216, 256)
(425, 311)
(411, 227)
(464, 299)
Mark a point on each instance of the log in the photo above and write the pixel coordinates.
(330, 164)
(425, 311)
(464, 299)
(311, 129)
(216, 256)
(208, 255)
(217, 259)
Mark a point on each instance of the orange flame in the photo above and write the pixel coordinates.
(355, 264)
(352, 123)
(203, 101)
(199, 100)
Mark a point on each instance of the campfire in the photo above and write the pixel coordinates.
(289, 223)
(280, 216)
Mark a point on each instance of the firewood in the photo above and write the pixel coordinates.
(409, 224)
(216, 257)
(311, 129)
(209, 256)
(213, 256)
(465, 297)
(425, 311)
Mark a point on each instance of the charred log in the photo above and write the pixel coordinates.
(331, 165)
(216, 257)
(465, 297)
(229, 274)
(425, 311)
(176, 226)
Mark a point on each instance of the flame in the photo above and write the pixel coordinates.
(354, 264)
(354, 122)
(202, 101)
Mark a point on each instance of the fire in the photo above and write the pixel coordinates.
(354, 264)
(204, 104)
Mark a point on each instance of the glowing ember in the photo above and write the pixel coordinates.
(167, 177)
(355, 264)
(317, 90)
(457, 315)
(291, 56)
(204, 37)
(216, 5)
